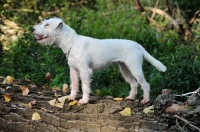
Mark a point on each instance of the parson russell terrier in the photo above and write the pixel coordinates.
(86, 55)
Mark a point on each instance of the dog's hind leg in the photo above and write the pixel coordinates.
(74, 76)
(136, 70)
(130, 79)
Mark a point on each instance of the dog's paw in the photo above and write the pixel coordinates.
(129, 98)
(144, 101)
(72, 97)
(83, 101)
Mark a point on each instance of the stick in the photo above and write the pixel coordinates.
(153, 15)
(187, 122)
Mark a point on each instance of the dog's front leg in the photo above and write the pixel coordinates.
(85, 74)
(74, 76)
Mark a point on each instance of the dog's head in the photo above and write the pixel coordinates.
(47, 31)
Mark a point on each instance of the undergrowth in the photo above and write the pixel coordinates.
(28, 60)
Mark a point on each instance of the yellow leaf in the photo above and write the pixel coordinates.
(118, 99)
(52, 102)
(36, 116)
(24, 89)
(59, 105)
(149, 110)
(65, 88)
(23, 104)
(74, 102)
(7, 97)
(126, 112)
(8, 80)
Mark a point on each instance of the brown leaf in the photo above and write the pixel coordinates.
(30, 104)
(7, 97)
(24, 89)
(48, 76)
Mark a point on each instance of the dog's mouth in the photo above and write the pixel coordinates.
(40, 37)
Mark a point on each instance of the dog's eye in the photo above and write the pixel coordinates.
(46, 25)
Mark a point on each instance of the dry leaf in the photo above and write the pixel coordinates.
(30, 104)
(24, 89)
(23, 104)
(74, 102)
(62, 99)
(118, 99)
(65, 88)
(36, 116)
(7, 97)
(8, 80)
(48, 76)
(149, 110)
(126, 112)
(61, 102)
(59, 105)
(55, 89)
(52, 102)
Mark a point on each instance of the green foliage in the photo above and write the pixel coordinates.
(28, 60)
(104, 19)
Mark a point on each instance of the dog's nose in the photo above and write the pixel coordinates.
(33, 29)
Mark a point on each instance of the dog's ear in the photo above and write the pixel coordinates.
(60, 25)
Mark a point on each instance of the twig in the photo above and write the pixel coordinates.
(196, 15)
(180, 118)
(188, 93)
(153, 15)
(177, 123)
(25, 10)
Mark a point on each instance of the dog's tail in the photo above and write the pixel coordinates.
(152, 60)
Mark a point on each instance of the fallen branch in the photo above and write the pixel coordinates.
(156, 5)
(180, 118)
(163, 13)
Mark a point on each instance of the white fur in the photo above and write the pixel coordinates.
(86, 55)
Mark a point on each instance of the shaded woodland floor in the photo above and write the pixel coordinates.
(101, 114)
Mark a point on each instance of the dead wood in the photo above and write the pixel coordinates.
(182, 27)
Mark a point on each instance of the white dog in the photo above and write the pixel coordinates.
(86, 55)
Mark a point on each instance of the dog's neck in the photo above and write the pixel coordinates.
(69, 38)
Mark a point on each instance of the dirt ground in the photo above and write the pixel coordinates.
(101, 114)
